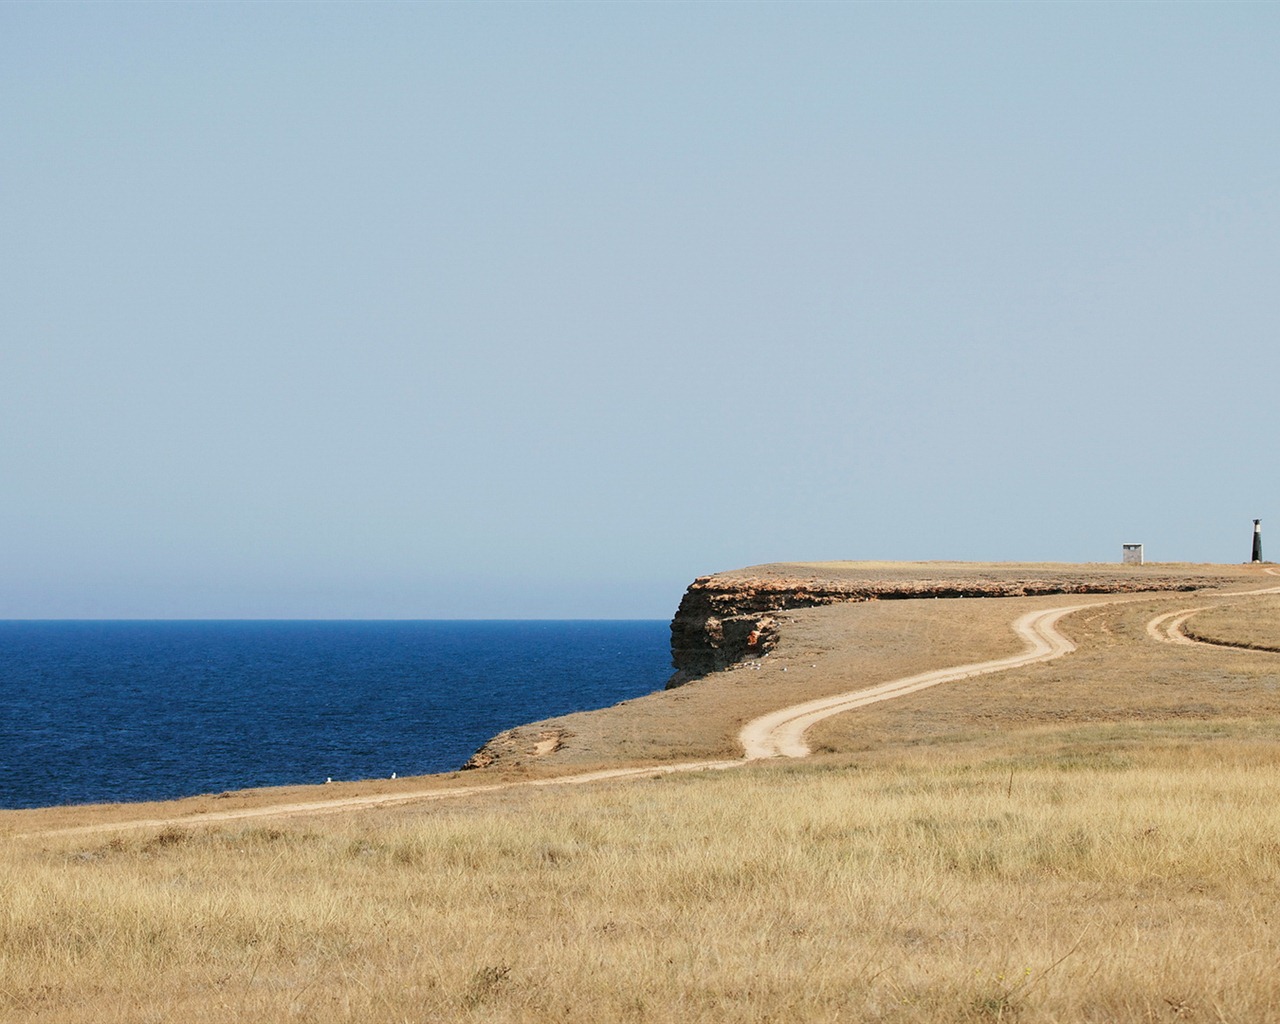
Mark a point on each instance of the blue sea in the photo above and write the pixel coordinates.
(112, 711)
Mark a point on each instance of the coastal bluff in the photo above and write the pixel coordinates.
(811, 613)
(728, 617)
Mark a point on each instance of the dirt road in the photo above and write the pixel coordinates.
(1167, 628)
(781, 733)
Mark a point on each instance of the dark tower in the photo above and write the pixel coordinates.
(1257, 540)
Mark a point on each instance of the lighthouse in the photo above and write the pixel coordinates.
(1257, 540)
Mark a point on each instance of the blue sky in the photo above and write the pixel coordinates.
(408, 310)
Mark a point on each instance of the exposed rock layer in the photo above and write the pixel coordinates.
(734, 615)
(725, 618)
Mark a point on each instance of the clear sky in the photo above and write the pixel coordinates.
(542, 310)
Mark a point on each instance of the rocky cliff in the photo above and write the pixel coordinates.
(737, 615)
(728, 617)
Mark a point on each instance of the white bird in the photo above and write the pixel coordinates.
(393, 775)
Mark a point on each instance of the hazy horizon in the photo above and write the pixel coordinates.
(540, 311)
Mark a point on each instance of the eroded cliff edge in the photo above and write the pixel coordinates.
(733, 616)
(728, 617)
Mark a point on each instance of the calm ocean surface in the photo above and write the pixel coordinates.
(104, 711)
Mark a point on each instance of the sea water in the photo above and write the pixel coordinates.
(112, 711)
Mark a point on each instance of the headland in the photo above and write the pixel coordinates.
(1085, 838)
(742, 617)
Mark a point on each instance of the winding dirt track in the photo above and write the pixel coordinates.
(777, 734)
(781, 733)
(1167, 628)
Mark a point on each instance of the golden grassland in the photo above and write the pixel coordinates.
(1118, 674)
(1070, 885)
(1095, 838)
(1253, 622)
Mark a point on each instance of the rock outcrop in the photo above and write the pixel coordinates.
(521, 743)
(730, 617)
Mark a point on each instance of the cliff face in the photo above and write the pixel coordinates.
(726, 618)
(737, 615)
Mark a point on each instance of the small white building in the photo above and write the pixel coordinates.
(1132, 554)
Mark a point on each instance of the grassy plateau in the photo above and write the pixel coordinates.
(1094, 838)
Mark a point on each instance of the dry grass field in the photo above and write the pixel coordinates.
(1068, 885)
(1095, 838)
(1250, 623)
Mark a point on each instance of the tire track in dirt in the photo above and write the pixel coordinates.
(781, 733)
(1167, 627)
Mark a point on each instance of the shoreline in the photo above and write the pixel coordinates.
(105, 714)
(531, 757)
